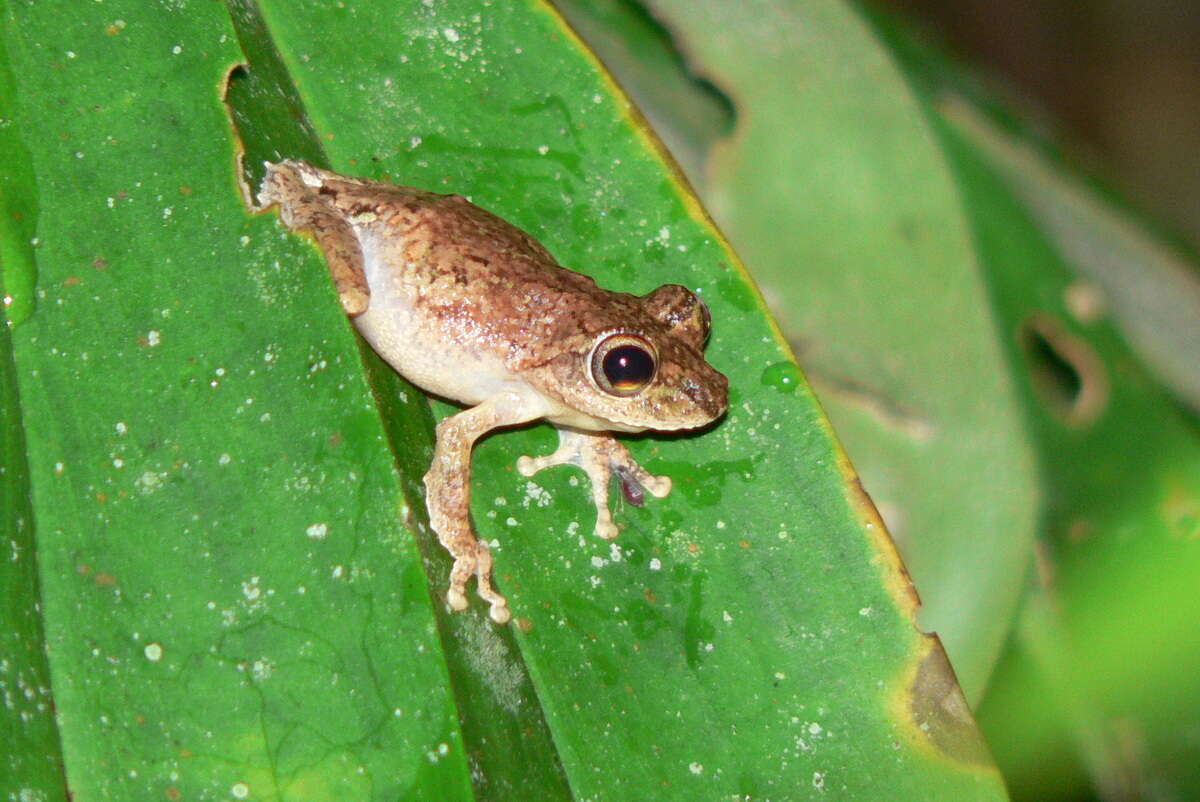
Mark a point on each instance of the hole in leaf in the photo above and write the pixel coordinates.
(1067, 374)
(266, 113)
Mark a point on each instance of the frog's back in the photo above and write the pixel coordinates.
(464, 292)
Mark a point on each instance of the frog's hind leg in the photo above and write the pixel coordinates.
(448, 496)
(600, 455)
(296, 187)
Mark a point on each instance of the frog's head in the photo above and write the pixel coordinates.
(649, 373)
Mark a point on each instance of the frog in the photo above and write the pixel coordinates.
(472, 309)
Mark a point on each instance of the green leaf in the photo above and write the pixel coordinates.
(1092, 303)
(215, 519)
(240, 594)
(1150, 282)
(853, 225)
(1105, 648)
(32, 763)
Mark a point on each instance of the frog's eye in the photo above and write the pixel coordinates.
(623, 364)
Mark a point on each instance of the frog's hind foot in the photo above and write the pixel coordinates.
(475, 559)
(447, 494)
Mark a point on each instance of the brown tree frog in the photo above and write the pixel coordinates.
(471, 308)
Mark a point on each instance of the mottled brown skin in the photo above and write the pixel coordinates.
(472, 308)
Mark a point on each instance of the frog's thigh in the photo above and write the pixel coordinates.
(301, 209)
(344, 256)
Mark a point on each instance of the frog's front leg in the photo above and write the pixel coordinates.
(448, 494)
(295, 186)
(600, 455)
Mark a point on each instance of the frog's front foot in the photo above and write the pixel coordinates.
(600, 455)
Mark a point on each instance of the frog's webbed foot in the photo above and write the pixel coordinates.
(600, 455)
(296, 186)
(447, 494)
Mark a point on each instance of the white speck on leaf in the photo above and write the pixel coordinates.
(491, 658)
(150, 481)
(536, 494)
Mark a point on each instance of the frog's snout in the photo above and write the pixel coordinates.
(709, 397)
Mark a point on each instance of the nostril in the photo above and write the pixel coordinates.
(703, 396)
(695, 391)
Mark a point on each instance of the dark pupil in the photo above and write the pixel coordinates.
(627, 367)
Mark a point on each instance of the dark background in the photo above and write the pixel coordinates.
(1119, 79)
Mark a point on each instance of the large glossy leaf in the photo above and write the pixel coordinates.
(1097, 689)
(31, 761)
(1149, 284)
(215, 520)
(834, 191)
(239, 592)
(1106, 640)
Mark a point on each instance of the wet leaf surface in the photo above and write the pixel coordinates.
(239, 596)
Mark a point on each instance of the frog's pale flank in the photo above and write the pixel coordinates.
(470, 308)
